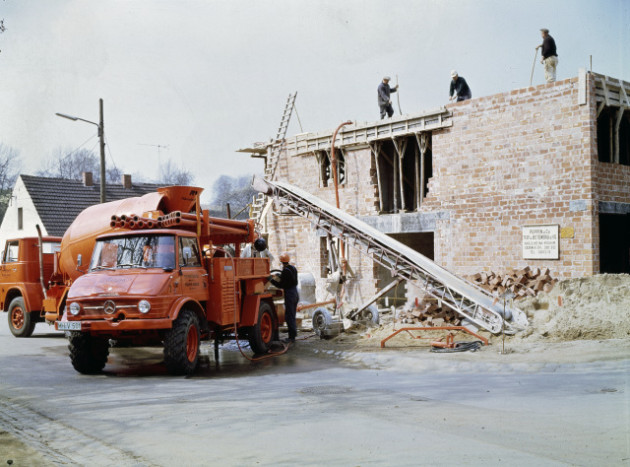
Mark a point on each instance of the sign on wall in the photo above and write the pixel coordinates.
(541, 242)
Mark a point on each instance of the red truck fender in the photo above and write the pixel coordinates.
(251, 305)
(186, 302)
(16, 291)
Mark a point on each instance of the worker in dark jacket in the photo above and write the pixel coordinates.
(459, 90)
(549, 55)
(288, 282)
(384, 102)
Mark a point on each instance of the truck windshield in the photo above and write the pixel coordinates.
(134, 251)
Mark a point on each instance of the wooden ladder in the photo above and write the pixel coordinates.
(274, 150)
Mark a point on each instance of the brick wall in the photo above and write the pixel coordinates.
(513, 159)
(358, 196)
(525, 157)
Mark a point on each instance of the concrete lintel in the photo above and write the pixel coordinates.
(612, 207)
(578, 205)
(406, 222)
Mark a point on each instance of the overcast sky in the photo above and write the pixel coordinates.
(207, 77)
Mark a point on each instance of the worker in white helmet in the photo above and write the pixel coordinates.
(459, 90)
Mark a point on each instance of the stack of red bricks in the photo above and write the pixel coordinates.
(526, 282)
(428, 313)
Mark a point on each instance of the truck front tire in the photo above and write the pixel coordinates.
(21, 323)
(88, 353)
(181, 344)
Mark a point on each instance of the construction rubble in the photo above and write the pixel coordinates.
(526, 282)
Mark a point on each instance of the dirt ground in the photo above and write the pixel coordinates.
(15, 452)
(592, 308)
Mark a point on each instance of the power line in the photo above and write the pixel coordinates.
(111, 157)
(82, 144)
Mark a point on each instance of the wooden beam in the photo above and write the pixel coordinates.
(395, 177)
(423, 144)
(617, 125)
(416, 186)
(401, 146)
(376, 149)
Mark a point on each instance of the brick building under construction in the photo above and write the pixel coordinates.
(537, 177)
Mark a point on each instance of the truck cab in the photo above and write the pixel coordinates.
(23, 283)
(147, 287)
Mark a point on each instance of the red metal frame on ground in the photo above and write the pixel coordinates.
(436, 328)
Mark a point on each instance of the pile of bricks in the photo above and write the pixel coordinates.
(428, 313)
(526, 282)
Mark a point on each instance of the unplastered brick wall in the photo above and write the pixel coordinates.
(358, 196)
(511, 160)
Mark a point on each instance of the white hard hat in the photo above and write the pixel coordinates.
(386, 78)
(454, 73)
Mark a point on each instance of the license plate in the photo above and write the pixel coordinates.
(69, 325)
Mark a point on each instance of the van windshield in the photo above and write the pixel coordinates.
(134, 251)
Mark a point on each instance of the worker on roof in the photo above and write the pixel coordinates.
(288, 282)
(384, 102)
(549, 55)
(459, 90)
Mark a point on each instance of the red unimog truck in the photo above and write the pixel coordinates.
(26, 276)
(170, 276)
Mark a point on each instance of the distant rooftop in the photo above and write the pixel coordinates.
(59, 201)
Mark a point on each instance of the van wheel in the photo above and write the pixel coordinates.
(21, 323)
(88, 353)
(264, 331)
(181, 344)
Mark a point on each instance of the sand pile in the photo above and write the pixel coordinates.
(595, 307)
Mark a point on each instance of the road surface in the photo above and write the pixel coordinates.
(307, 408)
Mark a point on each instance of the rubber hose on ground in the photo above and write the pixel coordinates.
(459, 347)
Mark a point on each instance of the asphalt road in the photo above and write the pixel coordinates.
(304, 408)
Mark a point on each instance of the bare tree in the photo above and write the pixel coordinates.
(69, 164)
(113, 174)
(171, 175)
(234, 190)
(9, 171)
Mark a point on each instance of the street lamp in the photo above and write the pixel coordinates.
(101, 135)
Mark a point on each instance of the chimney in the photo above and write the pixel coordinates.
(126, 180)
(87, 179)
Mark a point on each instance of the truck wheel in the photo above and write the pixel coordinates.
(21, 323)
(181, 344)
(88, 353)
(263, 332)
(371, 314)
(321, 320)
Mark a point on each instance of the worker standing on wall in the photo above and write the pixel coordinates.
(384, 102)
(288, 282)
(549, 55)
(459, 89)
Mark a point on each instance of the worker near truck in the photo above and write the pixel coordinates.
(288, 282)
(549, 55)
(459, 90)
(384, 102)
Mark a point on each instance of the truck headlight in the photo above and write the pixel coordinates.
(75, 308)
(144, 306)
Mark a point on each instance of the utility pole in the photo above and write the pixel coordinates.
(101, 135)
